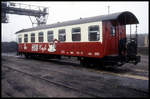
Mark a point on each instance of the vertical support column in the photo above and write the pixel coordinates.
(136, 35)
(130, 31)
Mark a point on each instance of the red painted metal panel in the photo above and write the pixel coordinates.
(110, 43)
(86, 49)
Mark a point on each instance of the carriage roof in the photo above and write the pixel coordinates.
(123, 18)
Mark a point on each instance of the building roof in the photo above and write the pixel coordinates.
(123, 18)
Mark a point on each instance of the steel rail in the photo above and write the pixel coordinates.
(56, 83)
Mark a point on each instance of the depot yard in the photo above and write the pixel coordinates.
(66, 78)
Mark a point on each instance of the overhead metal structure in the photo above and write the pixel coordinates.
(39, 13)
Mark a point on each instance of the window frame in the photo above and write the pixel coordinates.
(72, 32)
(112, 29)
(19, 39)
(39, 36)
(32, 37)
(60, 34)
(51, 35)
(98, 33)
(25, 38)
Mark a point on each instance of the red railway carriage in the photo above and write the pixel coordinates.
(99, 39)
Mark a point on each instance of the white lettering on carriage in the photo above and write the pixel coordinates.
(42, 48)
(71, 52)
(96, 53)
(77, 52)
(25, 47)
(62, 51)
(89, 53)
(52, 48)
(34, 47)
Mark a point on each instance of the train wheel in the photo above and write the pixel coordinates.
(83, 62)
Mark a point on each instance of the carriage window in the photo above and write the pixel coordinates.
(50, 36)
(112, 30)
(93, 34)
(25, 38)
(32, 37)
(76, 34)
(40, 36)
(19, 39)
(62, 35)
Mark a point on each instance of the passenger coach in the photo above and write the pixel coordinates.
(94, 40)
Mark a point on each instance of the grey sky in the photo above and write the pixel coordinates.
(63, 11)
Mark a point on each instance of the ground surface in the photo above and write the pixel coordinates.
(66, 78)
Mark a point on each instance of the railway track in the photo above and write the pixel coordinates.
(59, 82)
(112, 71)
(53, 82)
(70, 87)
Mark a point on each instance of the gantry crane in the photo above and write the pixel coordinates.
(38, 12)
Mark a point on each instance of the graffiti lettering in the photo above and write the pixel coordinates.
(34, 47)
(42, 48)
(25, 47)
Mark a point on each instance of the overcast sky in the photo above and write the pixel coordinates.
(63, 11)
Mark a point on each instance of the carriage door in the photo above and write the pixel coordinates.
(113, 39)
(121, 38)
